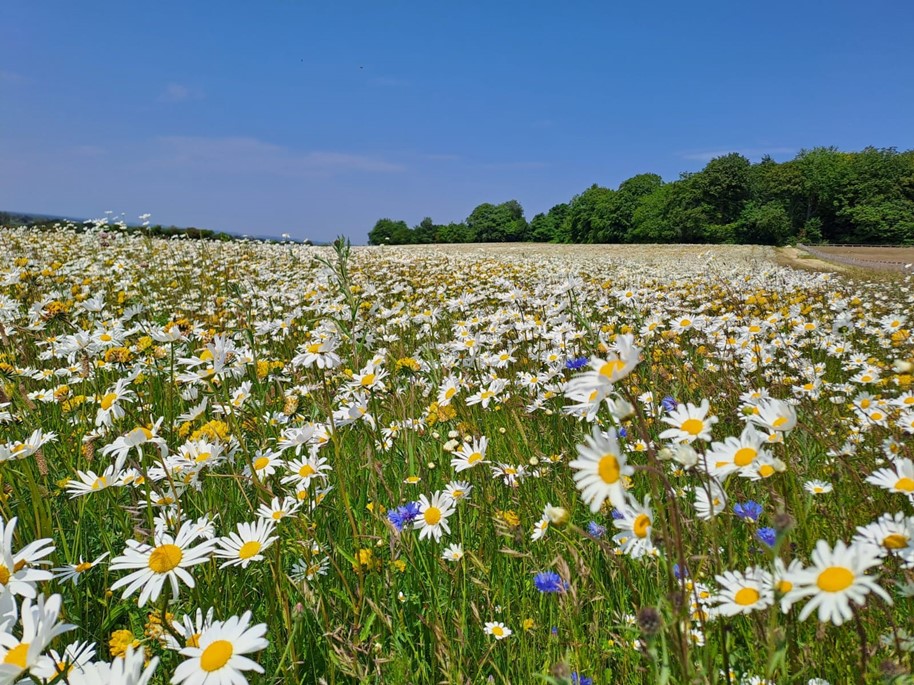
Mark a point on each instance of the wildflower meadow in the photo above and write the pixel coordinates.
(231, 462)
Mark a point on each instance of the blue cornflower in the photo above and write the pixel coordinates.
(578, 679)
(596, 529)
(622, 433)
(680, 572)
(549, 581)
(750, 511)
(403, 515)
(766, 536)
(668, 403)
(616, 514)
(575, 364)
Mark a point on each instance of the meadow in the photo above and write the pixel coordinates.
(269, 463)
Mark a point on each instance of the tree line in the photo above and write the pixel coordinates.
(823, 195)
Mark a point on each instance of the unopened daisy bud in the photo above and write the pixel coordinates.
(453, 434)
(665, 454)
(778, 465)
(685, 455)
(782, 522)
(557, 516)
(502, 430)
(902, 366)
(533, 461)
(436, 435)
(431, 465)
(621, 409)
(450, 446)
(650, 621)
(549, 412)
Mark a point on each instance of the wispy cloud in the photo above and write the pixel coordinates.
(751, 153)
(250, 155)
(177, 92)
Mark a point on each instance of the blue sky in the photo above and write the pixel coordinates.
(318, 118)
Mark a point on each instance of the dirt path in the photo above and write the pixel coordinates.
(797, 259)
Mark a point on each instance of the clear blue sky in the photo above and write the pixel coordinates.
(318, 118)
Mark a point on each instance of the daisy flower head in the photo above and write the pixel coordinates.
(600, 470)
(899, 479)
(279, 509)
(459, 490)
(890, 534)
(470, 454)
(75, 571)
(247, 543)
(189, 628)
(710, 500)
(775, 415)
(263, 464)
(16, 573)
(433, 515)
(743, 592)
(836, 577)
(497, 629)
(453, 552)
(734, 454)
(168, 559)
(309, 569)
(817, 487)
(39, 628)
(219, 654)
(635, 524)
(604, 372)
(689, 423)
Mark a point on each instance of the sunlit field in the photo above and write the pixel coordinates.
(241, 462)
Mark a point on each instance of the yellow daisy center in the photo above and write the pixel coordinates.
(432, 515)
(164, 558)
(835, 579)
(4, 575)
(779, 421)
(906, 484)
(744, 456)
(611, 368)
(108, 400)
(261, 463)
(249, 549)
(473, 458)
(83, 567)
(766, 471)
(608, 468)
(216, 655)
(895, 541)
(498, 631)
(449, 393)
(193, 640)
(785, 586)
(306, 470)
(692, 426)
(16, 656)
(367, 380)
(746, 596)
(641, 525)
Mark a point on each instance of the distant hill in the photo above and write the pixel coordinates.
(8, 218)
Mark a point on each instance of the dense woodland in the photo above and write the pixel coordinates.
(822, 195)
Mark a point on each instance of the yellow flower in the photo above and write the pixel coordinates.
(528, 624)
(120, 641)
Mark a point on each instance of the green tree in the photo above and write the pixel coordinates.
(390, 232)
